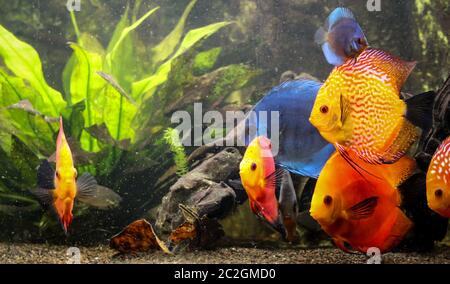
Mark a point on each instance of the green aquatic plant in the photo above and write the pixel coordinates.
(171, 137)
(103, 91)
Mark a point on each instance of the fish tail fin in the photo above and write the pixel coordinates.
(419, 110)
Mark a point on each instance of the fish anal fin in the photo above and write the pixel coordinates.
(331, 55)
(400, 228)
(363, 209)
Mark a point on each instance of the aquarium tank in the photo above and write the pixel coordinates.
(225, 131)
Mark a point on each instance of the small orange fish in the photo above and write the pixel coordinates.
(359, 108)
(60, 187)
(258, 176)
(438, 180)
(359, 208)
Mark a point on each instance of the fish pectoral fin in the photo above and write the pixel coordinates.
(46, 175)
(363, 209)
(275, 178)
(45, 196)
(341, 244)
(90, 193)
(345, 109)
(419, 110)
(86, 185)
(320, 37)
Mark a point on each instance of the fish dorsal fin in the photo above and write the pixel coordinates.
(397, 69)
(363, 209)
(400, 171)
(46, 175)
(337, 15)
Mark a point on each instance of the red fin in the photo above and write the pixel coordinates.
(341, 245)
(401, 227)
(363, 209)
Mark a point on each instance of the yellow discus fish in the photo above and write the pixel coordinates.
(359, 108)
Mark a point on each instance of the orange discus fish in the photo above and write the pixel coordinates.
(359, 108)
(438, 180)
(60, 187)
(258, 176)
(359, 209)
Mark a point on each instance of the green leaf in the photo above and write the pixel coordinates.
(123, 63)
(27, 124)
(86, 85)
(205, 61)
(118, 114)
(150, 83)
(167, 46)
(67, 75)
(23, 60)
(111, 55)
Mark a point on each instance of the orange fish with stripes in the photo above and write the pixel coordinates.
(359, 108)
(438, 180)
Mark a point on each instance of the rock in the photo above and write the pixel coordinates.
(203, 188)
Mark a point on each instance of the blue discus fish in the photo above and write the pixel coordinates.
(341, 37)
(302, 150)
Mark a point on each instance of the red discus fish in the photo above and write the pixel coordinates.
(258, 176)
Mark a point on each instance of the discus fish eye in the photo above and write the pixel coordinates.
(253, 166)
(438, 193)
(328, 200)
(324, 109)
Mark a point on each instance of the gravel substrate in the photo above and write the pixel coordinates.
(41, 253)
